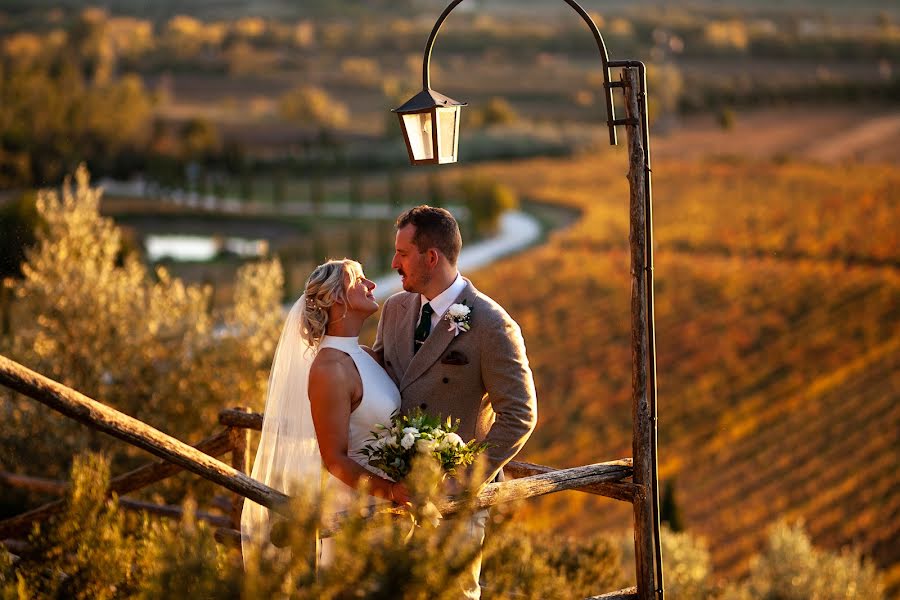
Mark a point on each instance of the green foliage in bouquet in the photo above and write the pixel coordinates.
(394, 447)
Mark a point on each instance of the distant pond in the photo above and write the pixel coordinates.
(198, 248)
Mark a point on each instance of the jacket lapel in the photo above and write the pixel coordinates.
(435, 344)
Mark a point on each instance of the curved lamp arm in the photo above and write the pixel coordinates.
(601, 46)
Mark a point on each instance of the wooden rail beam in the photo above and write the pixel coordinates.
(517, 489)
(228, 537)
(495, 493)
(618, 490)
(214, 446)
(96, 415)
(235, 417)
(79, 407)
(176, 512)
(626, 594)
(53, 486)
(136, 479)
(34, 484)
(16, 547)
(544, 483)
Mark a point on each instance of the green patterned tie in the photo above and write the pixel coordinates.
(424, 327)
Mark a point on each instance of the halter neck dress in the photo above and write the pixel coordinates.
(380, 400)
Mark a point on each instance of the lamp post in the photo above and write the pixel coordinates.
(430, 124)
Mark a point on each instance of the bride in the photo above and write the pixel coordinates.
(325, 395)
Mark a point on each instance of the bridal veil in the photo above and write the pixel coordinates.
(288, 456)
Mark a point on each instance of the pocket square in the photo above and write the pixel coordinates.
(455, 357)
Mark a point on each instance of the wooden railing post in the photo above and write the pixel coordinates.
(641, 414)
(240, 461)
(6, 293)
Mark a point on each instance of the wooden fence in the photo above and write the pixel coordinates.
(527, 480)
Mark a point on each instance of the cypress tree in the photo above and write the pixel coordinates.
(669, 512)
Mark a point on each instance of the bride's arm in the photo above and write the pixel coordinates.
(331, 393)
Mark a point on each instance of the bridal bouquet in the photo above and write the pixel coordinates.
(393, 447)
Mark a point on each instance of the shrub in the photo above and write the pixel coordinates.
(146, 344)
(93, 550)
(486, 200)
(726, 117)
(499, 112)
(312, 106)
(686, 564)
(790, 568)
(85, 552)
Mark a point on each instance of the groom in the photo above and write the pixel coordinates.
(479, 374)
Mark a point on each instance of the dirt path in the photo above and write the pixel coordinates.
(871, 137)
(828, 135)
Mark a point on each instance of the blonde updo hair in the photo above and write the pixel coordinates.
(324, 287)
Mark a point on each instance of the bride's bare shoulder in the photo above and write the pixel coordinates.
(331, 364)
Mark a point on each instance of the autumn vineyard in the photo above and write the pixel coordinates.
(259, 132)
(778, 316)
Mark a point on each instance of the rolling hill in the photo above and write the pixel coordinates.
(778, 329)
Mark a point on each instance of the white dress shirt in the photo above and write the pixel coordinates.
(442, 301)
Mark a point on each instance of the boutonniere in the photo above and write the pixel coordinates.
(458, 315)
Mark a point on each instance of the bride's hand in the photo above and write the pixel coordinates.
(399, 494)
(453, 487)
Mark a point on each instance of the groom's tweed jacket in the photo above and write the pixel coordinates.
(480, 377)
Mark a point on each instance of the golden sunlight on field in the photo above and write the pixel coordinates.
(778, 297)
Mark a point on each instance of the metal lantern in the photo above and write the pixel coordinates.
(430, 124)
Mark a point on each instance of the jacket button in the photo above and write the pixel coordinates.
(387, 362)
(423, 406)
(446, 380)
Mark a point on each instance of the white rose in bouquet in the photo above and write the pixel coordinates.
(424, 446)
(454, 440)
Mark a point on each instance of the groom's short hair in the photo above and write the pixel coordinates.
(435, 228)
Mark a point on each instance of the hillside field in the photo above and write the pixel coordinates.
(778, 329)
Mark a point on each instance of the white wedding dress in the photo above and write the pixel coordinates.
(288, 458)
(380, 400)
